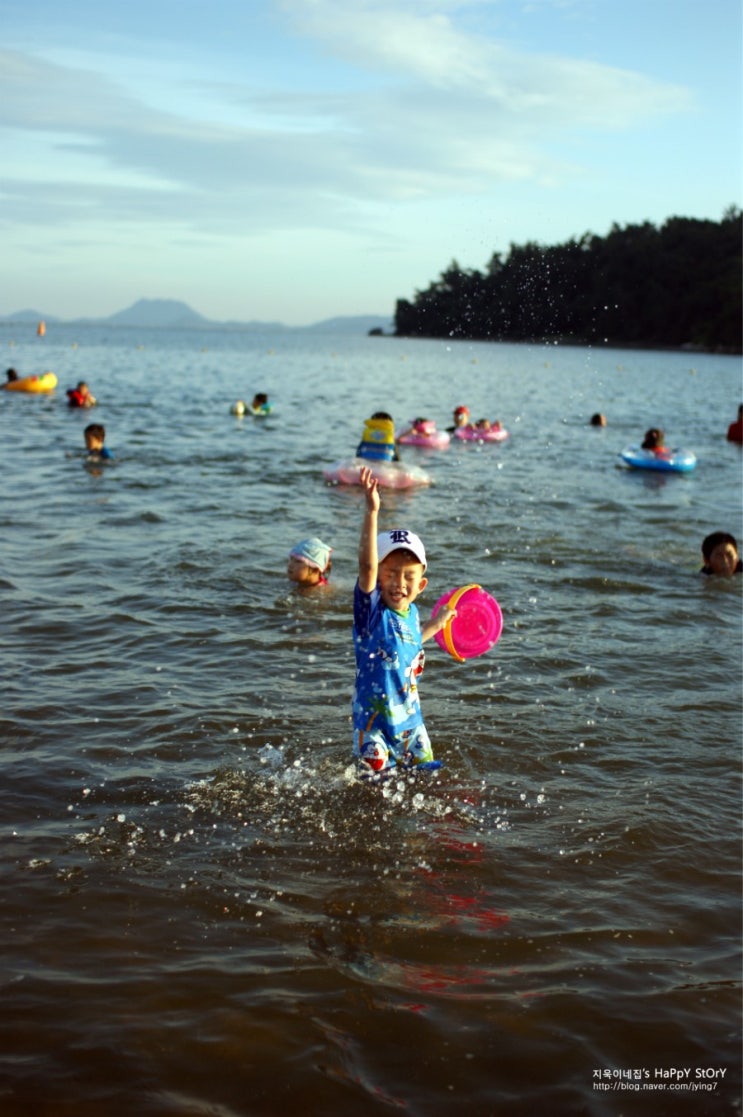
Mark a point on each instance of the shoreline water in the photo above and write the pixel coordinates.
(203, 910)
(338, 330)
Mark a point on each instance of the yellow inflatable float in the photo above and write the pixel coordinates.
(47, 382)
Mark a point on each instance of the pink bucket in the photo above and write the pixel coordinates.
(477, 625)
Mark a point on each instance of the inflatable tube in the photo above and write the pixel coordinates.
(672, 461)
(390, 475)
(434, 440)
(45, 383)
(240, 408)
(472, 434)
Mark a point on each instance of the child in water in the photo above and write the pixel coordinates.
(309, 563)
(378, 439)
(388, 641)
(95, 436)
(260, 404)
(420, 426)
(482, 427)
(461, 418)
(81, 396)
(735, 430)
(655, 440)
(720, 554)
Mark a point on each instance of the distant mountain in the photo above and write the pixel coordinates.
(354, 324)
(29, 316)
(158, 312)
(173, 314)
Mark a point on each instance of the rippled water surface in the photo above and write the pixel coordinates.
(203, 912)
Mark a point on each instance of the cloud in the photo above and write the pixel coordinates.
(418, 44)
(418, 40)
(444, 112)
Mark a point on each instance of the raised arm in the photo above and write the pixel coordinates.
(368, 561)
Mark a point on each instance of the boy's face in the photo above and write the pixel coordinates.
(93, 441)
(400, 580)
(723, 559)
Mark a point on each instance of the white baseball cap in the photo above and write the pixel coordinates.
(400, 540)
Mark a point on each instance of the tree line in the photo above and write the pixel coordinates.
(677, 286)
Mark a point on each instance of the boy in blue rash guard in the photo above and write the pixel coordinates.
(388, 642)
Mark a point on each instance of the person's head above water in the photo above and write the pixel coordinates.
(309, 562)
(654, 438)
(720, 554)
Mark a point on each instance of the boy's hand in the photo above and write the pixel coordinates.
(370, 485)
(438, 623)
(442, 618)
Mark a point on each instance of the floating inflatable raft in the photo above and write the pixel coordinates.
(472, 434)
(47, 382)
(670, 461)
(436, 440)
(390, 475)
(422, 432)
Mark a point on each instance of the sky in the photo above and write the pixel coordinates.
(295, 160)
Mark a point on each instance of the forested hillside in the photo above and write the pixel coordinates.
(671, 287)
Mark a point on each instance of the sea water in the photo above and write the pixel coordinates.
(204, 912)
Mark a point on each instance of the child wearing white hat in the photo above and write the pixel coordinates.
(388, 641)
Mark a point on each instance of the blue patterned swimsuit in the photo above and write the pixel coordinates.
(387, 718)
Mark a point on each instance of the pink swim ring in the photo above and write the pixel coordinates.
(471, 433)
(390, 475)
(423, 432)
